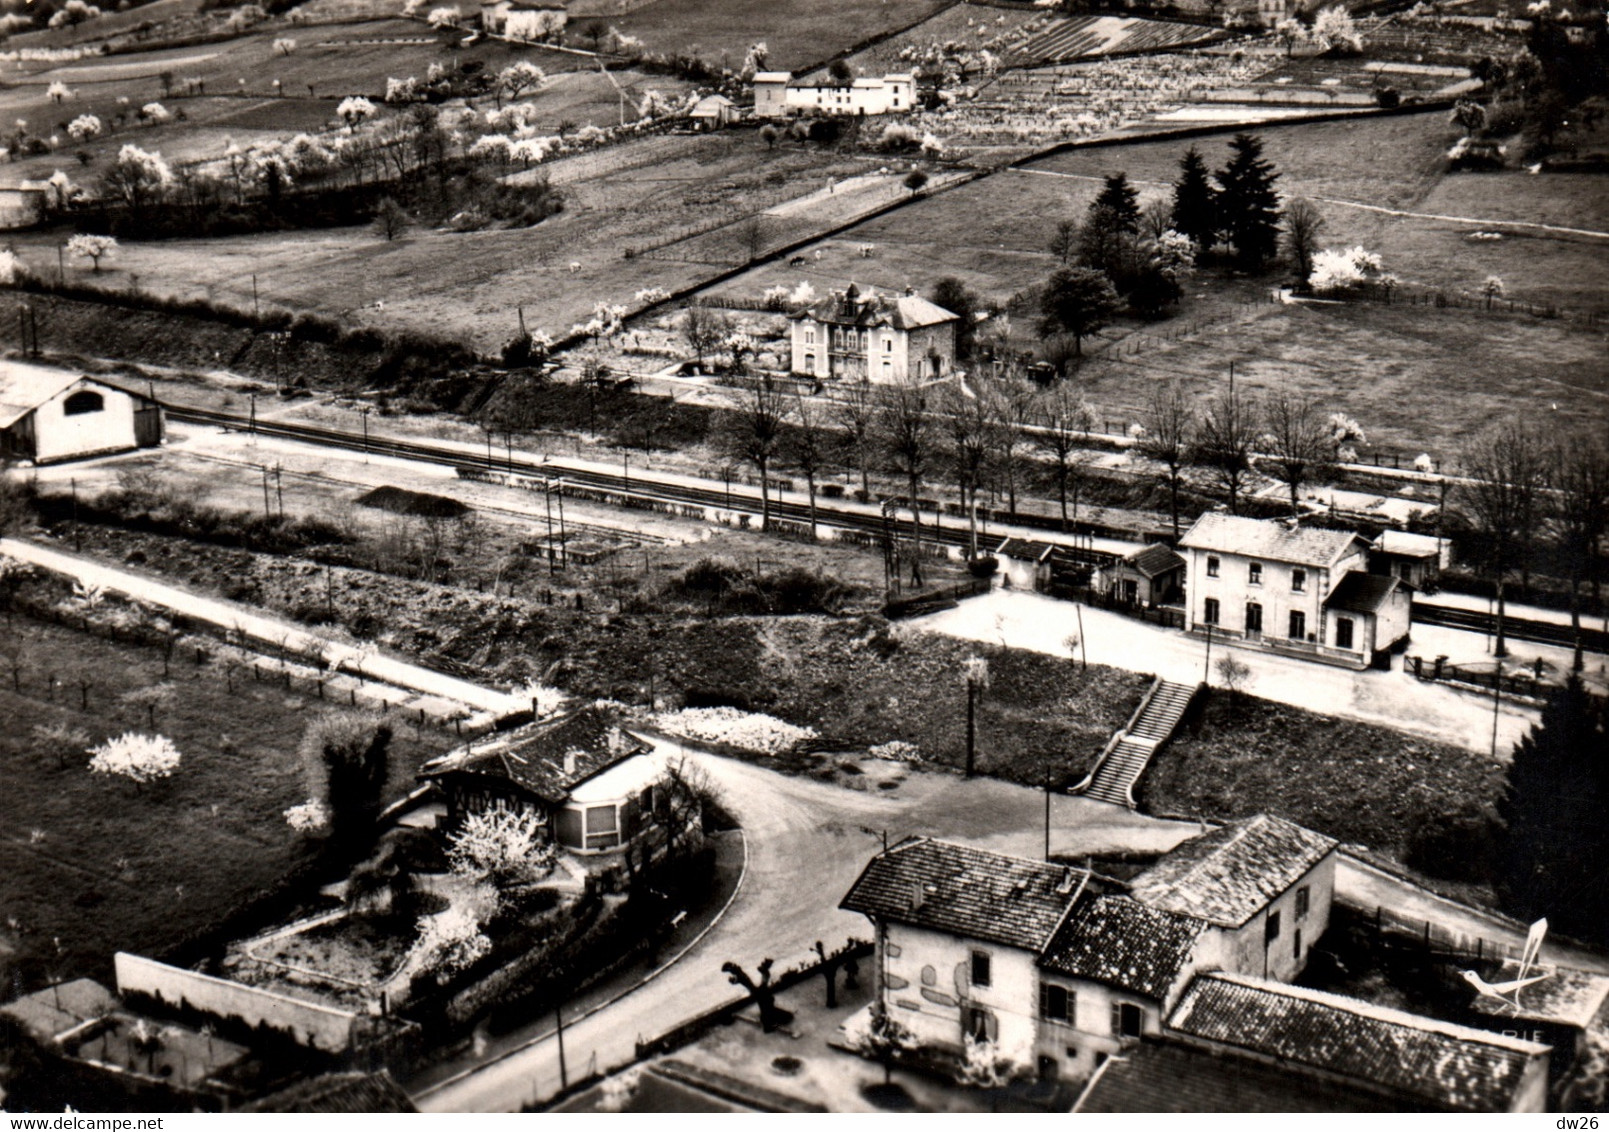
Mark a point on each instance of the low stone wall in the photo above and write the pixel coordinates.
(320, 1027)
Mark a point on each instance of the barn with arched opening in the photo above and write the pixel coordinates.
(49, 415)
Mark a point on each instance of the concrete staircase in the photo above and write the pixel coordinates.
(1130, 749)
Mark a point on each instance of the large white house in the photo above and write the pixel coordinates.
(864, 336)
(777, 94)
(48, 415)
(1304, 590)
(1058, 968)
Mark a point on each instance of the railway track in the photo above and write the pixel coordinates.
(934, 528)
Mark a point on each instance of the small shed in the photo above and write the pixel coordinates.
(49, 415)
(1151, 575)
(1416, 559)
(1024, 563)
(1368, 614)
(714, 111)
(23, 206)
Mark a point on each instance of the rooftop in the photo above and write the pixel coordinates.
(966, 892)
(549, 758)
(1172, 1077)
(852, 307)
(1026, 550)
(1268, 539)
(1229, 875)
(339, 1092)
(1404, 544)
(1119, 942)
(1362, 593)
(23, 388)
(1443, 1065)
(1154, 560)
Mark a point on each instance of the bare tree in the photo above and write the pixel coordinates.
(907, 431)
(1580, 475)
(762, 991)
(703, 330)
(809, 447)
(1225, 440)
(759, 430)
(970, 427)
(1297, 443)
(1063, 419)
(1013, 400)
(855, 414)
(975, 677)
(149, 698)
(1156, 217)
(1303, 223)
(1170, 434)
(61, 741)
(1505, 466)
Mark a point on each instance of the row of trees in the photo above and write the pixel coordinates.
(1525, 485)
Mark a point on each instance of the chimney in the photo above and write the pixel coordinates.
(616, 741)
(569, 762)
(918, 897)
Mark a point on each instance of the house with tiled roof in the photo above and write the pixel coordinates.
(588, 780)
(339, 1093)
(1568, 1010)
(1406, 1059)
(1060, 968)
(1303, 591)
(1148, 575)
(777, 94)
(1266, 885)
(856, 335)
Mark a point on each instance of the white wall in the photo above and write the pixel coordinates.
(1091, 1034)
(1234, 590)
(933, 1010)
(58, 436)
(1246, 951)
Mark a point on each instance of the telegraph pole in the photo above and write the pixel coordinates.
(564, 1076)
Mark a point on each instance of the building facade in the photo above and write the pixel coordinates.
(867, 337)
(777, 94)
(47, 416)
(1291, 588)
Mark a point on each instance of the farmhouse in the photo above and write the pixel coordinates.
(523, 19)
(1299, 590)
(1410, 1060)
(51, 415)
(778, 94)
(713, 111)
(855, 336)
(590, 782)
(1060, 968)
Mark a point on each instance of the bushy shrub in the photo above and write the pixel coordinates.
(1461, 846)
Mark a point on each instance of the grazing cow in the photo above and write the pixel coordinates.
(866, 251)
(574, 267)
(818, 253)
(797, 261)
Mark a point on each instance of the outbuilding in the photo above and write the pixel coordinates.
(48, 415)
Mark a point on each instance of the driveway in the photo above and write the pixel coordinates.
(1390, 699)
(807, 840)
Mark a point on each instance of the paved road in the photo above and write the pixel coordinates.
(267, 630)
(1391, 699)
(808, 840)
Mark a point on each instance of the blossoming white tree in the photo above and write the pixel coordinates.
(91, 248)
(519, 77)
(502, 845)
(444, 17)
(284, 46)
(136, 757)
(355, 110)
(450, 942)
(84, 127)
(310, 816)
(402, 90)
(57, 91)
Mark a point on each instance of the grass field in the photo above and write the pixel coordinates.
(799, 33)
(974, 25)
(87, 861)
(468, 284)
(1404, 372)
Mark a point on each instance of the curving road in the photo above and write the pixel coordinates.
(808, 840)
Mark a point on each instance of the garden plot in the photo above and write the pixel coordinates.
(1082, 36)
(975, 27)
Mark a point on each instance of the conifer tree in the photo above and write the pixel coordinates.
(1194, 204)
(1554, 855)
(1123, 201)
(1248, 206)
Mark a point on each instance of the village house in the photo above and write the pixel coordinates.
(49, 415)
(1149, 576)
(778, 94)
(1060, 968)
(1300, 590)
(1566, 1010)
(523, 19)
(1412, 1061)
(883, 339)
(23, 206)
(591, 783)
(1416, 559)
(713, 111)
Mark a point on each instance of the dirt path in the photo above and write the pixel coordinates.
(1530, 224)
(266, 630)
